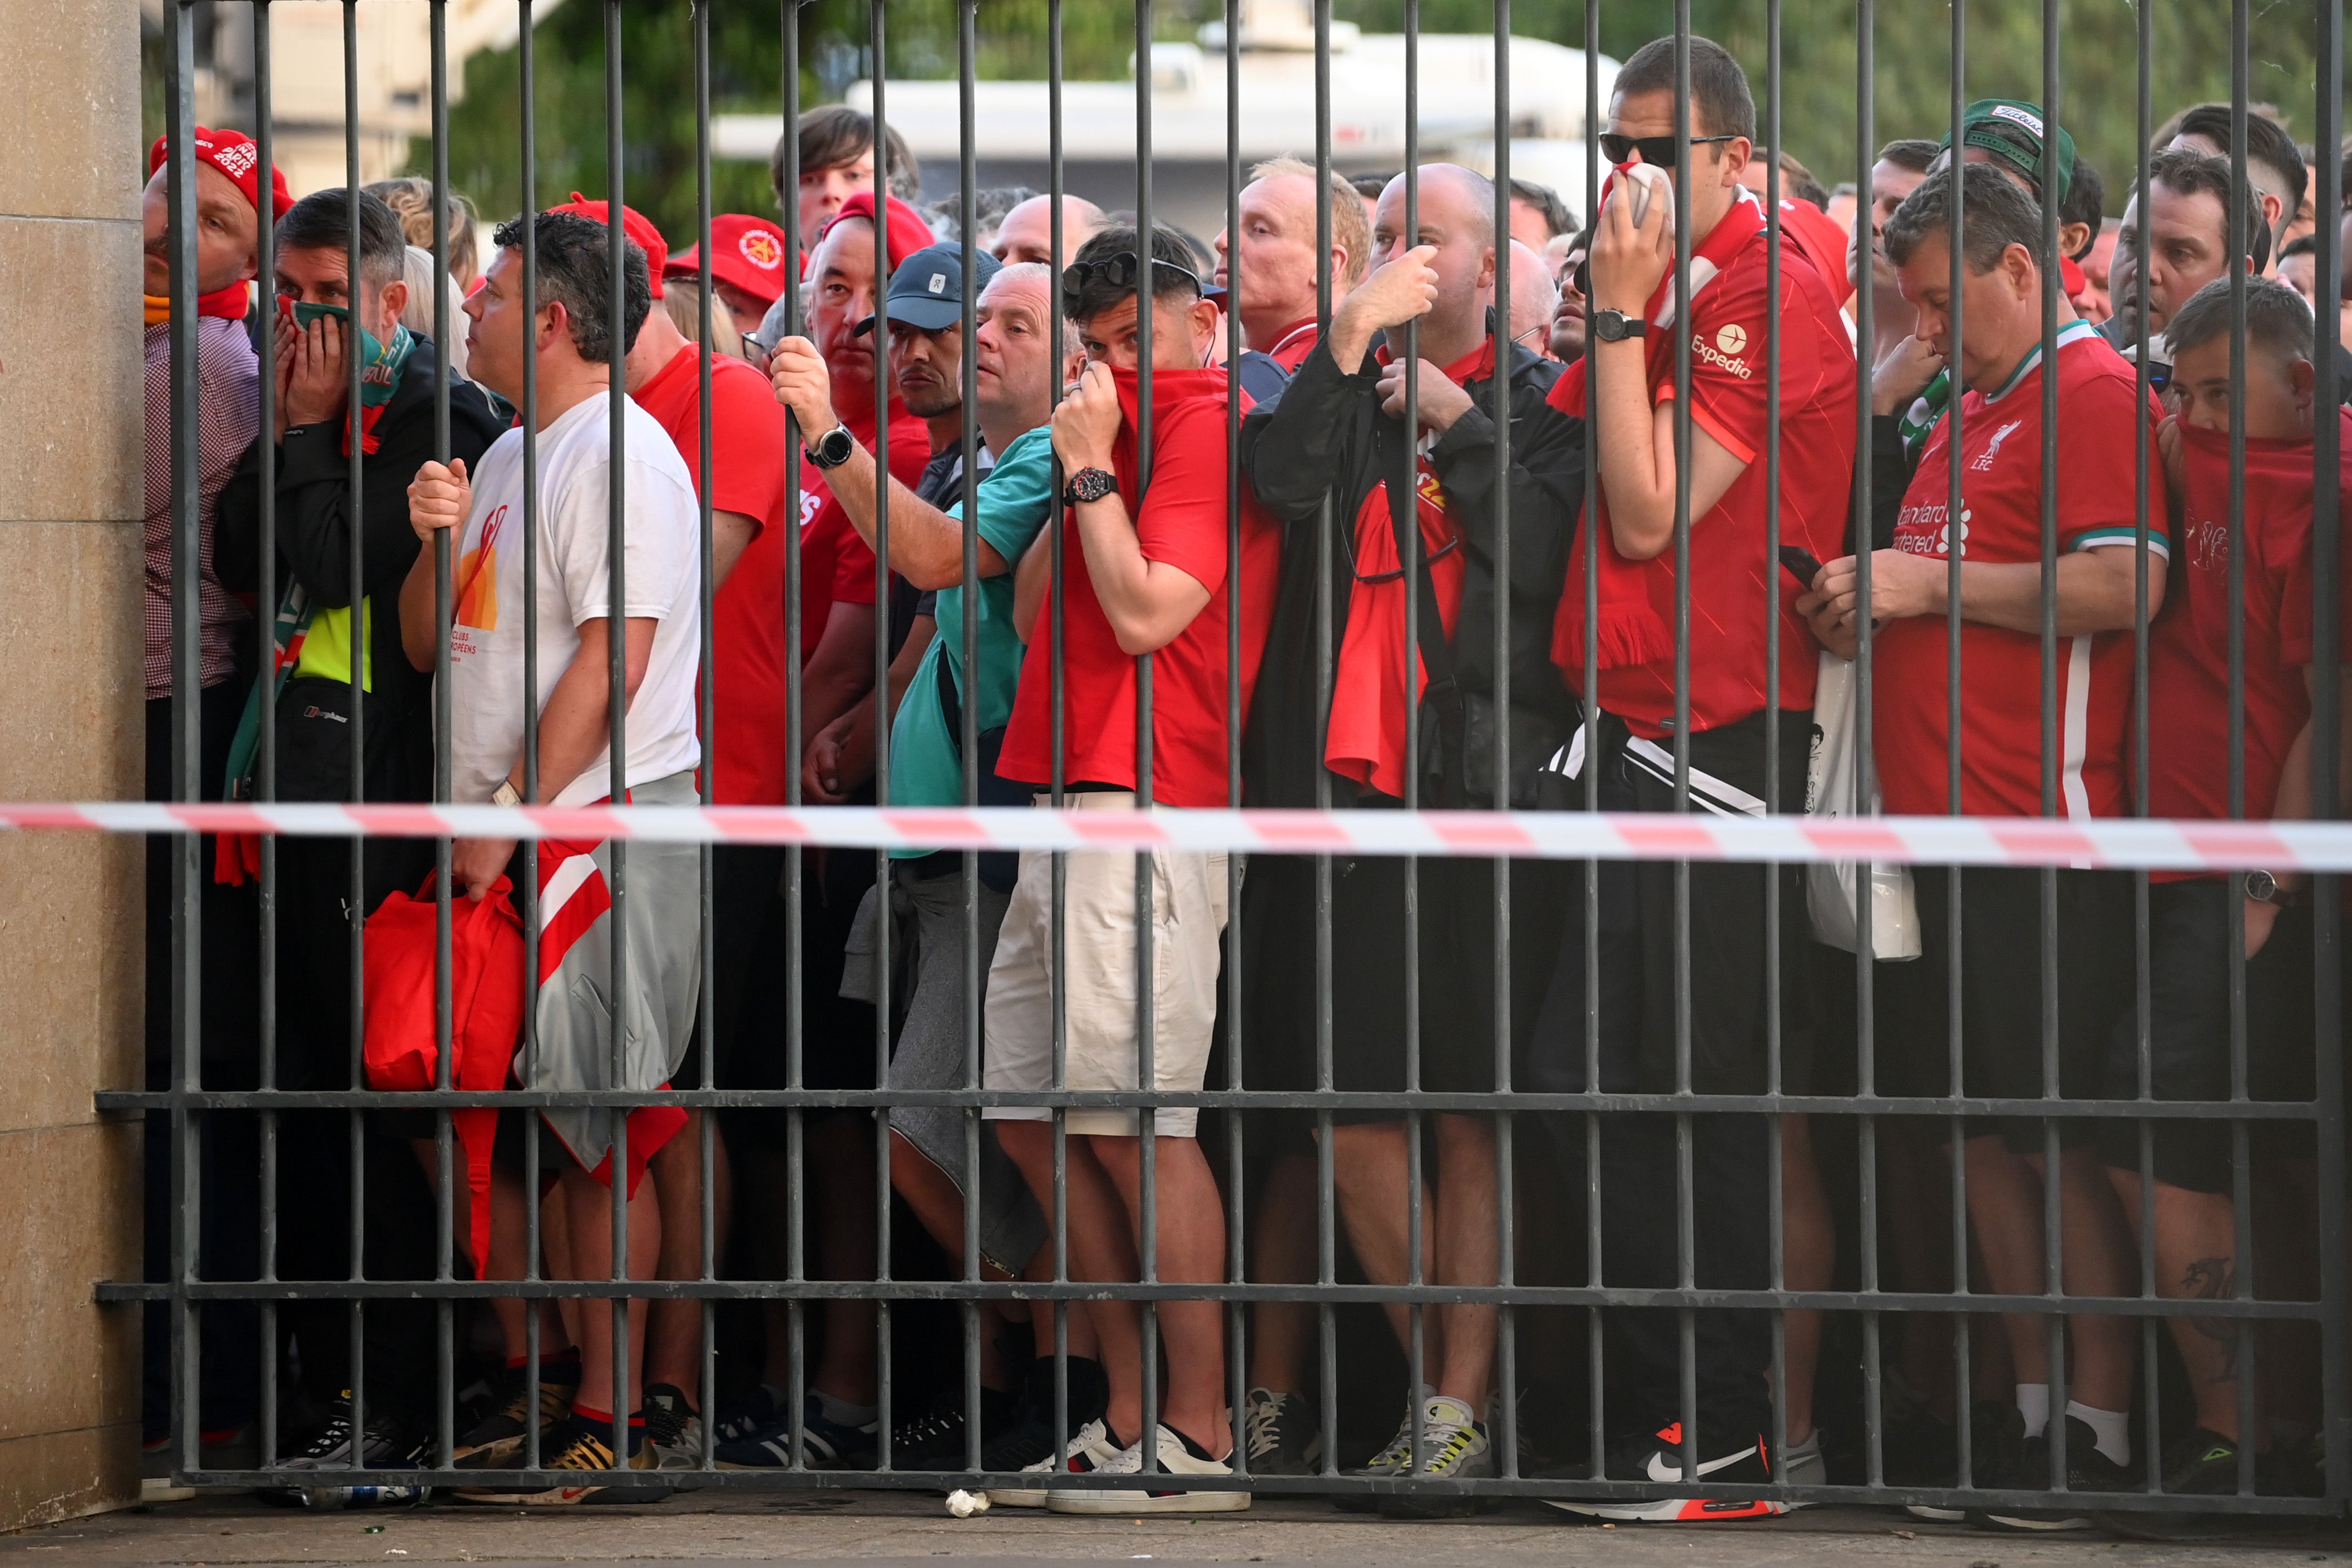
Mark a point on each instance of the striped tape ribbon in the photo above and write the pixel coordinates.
(2182, 845)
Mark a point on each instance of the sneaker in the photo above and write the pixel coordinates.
(386, 1443)
(1658, 1457)
(576, 1446)
(1179, 1456)
(2201, 1463)
(495, 1440)
(934, 1440)
(1395, 1459)
(828, 1444)
(673, 1430)
(748, 1418)
(1282, 1438)
(1453, 1446)
(1089, 1449)
(2087, 1470)
(1996, 1437)
(1800, 1465)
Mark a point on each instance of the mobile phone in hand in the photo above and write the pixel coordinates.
(1800, 564)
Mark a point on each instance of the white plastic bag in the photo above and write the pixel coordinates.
(1830, 791)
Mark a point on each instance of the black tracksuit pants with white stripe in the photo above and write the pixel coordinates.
(1726, 990)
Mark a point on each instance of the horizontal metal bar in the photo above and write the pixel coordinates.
(1209, 1099)
(1335, 1485)
(1162, 1290)
(2112, 842)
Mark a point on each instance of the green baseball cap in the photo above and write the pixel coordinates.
(2012, 131)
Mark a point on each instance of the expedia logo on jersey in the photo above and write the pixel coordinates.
(1724, 349)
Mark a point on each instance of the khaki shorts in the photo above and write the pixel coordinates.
(1188, 906)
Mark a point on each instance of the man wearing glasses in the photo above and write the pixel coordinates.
(1735, 588)
(1339, 431)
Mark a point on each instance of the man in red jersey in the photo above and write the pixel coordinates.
(2004, 771)
(1735, 591)
(1139, 577)
(1269, 273)
(1337, 438)
(2198, 1250)
(746, 488)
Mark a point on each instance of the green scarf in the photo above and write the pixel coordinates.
(381, 366)
(1927, 409)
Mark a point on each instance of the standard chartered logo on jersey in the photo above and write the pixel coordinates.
(1927, 530)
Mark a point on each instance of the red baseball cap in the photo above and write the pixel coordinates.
(234, 155)
(907, 231)
(2070, 277)
(642, 233)
(746, 252)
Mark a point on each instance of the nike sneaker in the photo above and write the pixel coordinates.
(1657, 1456)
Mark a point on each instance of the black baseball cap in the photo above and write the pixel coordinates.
(927, 289)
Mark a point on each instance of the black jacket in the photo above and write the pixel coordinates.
(314, 548)
(1327, 435)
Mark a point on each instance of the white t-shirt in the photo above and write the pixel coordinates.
(662, 582)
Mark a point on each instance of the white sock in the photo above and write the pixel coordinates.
(2113, 1427)
(844, 1413)
(2034, 1403)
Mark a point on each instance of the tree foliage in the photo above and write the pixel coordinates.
(2098, 74)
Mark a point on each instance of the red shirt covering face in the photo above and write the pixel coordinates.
(1181, 522)
(2000, 670)
(851, 576)
(747, 614)
(1365, 737)
(2189, 647)
(1732, 580)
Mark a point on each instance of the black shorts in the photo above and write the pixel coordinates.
(1456, 949)
(2189, 1033)
(2000, 991)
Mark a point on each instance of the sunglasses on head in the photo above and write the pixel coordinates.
(1658, 152)
(1118, 273)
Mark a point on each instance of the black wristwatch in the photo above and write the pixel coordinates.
(1089, 485)
(2263, 888)
(832, 449)
(1615, 325)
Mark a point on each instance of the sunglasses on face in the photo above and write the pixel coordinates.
(1658, 152)
(1119, 272)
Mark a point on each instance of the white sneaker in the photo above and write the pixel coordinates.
(1176, 1459)
(1800, 1465)
(1089, 1449)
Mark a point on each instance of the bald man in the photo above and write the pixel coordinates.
(1027, 232)
(1533, 299)
(1338, 432)
(1276, 261)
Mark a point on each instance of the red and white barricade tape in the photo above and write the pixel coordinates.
(2171, 845)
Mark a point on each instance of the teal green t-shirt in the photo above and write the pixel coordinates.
(1017, 500)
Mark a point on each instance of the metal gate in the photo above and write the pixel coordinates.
(192, 1110)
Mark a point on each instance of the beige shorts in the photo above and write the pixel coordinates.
(1187, 907)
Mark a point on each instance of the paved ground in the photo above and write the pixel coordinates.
(876, 1529)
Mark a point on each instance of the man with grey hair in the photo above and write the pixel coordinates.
(578, 349)
(1269, 271)
(1998, 359)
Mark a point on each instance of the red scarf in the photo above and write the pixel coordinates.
(1365, 739)
(1632, 630)
(231, 303)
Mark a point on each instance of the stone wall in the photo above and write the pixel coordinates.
(70, 729)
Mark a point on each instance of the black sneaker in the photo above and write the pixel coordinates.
(387, 1442)
(495, 1440)
(1927, 1454)
(2201, 1463)
(1657, 1456)
(1028, 1438)
(1282, 1436)
(2087, 1470)
(934, 1440)
(673, 1430)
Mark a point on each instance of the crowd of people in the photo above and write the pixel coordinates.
(1072, 548)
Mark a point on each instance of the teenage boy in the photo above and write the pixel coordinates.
(1142, 573)
(226, 218)
(322, 612)
(1269, 272)
(2198, 1250)
(1337, 437)
(1998, 362)
(579, 351)
(1735, 585)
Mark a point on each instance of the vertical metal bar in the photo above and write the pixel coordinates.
(968, 741)
(1147, 1072)
(705, 956)
(444, 1015)
(1865, 972)
(356, 1121)
(2143, 973)
(883, 988)
(1956, 1130)
(1057, 607)
(1686, 1244)
(1776, 1195)
(1588, 716)
(796, 925)
(1237, 1174)
(187, 744)
(2052, 1234)
(2236, 215)
(529, 170)
(1506, 1359)
(1409, 563)
(1325, 1206)
(265, 767)
(2326, 656)
(616, 697)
